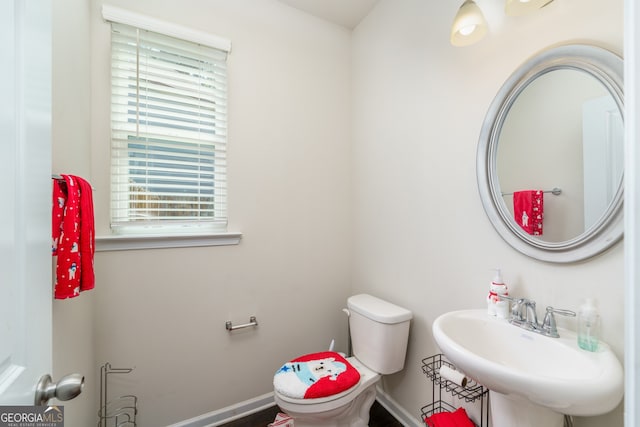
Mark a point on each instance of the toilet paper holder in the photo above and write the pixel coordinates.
(252, 322)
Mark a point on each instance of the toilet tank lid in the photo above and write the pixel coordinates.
(377, 309)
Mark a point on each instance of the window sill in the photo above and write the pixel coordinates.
(133, 242)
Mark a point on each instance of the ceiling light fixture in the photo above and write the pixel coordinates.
(469, 25)
(522, 7)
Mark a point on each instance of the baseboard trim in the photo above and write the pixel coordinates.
(398, 412)
(230, 413)
(265, 401)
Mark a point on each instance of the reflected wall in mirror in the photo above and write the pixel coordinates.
(557, 123)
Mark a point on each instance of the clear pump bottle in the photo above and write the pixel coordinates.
(588, 326)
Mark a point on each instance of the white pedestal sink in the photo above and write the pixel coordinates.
(533, 379)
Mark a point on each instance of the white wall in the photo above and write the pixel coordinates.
(164, 311)
(422, 239)
(73, 321)
(347, 152)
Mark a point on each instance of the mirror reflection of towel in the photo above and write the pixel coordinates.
(528, 210)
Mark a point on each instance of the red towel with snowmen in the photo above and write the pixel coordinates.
(73, 236)
(315, 375)
(528, 210)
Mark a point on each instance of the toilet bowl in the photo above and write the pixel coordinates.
(347, 408)
(379, 333)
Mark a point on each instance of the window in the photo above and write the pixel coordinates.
(168, 134)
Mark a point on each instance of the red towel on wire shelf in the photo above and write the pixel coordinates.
(458, 418)
(73, 236)
(528, 210)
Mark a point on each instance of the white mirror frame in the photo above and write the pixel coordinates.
(608, 69)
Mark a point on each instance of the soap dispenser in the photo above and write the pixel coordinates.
(495, 305)
(588, 325)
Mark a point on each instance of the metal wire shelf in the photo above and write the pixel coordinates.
(470, 393)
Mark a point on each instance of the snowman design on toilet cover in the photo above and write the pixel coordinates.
(315, 375)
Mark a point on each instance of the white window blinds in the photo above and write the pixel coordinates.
(169, 133)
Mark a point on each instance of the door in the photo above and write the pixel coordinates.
(603, 155)
(25, 213)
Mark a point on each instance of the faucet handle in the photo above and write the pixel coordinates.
(561, 311)
(518, 313)
(549, 322)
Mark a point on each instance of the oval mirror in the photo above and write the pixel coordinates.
(551, 153)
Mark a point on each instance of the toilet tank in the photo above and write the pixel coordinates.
(379, 332)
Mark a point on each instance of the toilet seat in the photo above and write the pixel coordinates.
(315, 375)
(368, 378)
(317, 400)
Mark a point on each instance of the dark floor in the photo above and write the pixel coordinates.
(379, 417)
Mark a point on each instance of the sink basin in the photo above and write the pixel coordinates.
(550, 373)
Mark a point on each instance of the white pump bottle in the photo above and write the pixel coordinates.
(496, 306)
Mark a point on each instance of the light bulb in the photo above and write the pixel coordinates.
(465, 31)
(469, 25)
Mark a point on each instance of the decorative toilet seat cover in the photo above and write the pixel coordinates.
(315, 375)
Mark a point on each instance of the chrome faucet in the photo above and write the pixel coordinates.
(524, 315)
(518, 312)
(522, 310)
(549, 323)
(531, 314)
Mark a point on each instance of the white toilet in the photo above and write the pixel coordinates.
(379, 334)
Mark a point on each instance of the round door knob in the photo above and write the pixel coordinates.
(66, 388)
